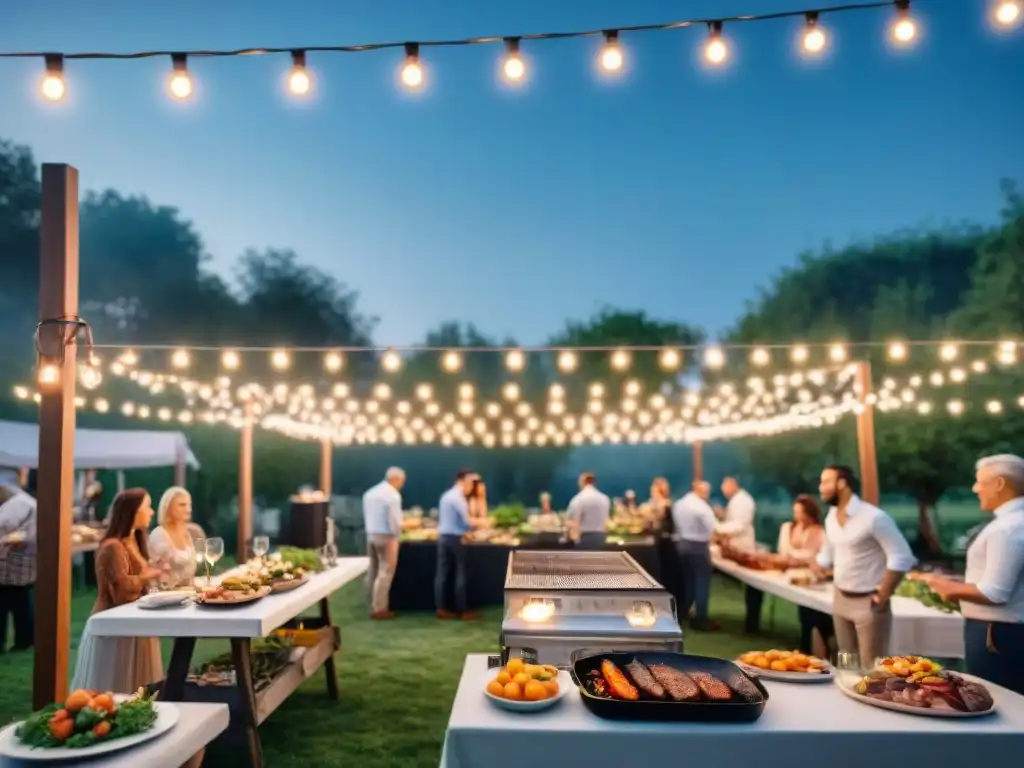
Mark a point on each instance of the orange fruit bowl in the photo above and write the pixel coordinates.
(531, 695)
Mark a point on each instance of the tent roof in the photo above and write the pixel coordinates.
(98, 448)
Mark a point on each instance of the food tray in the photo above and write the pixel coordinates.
(215, 603)
(680, 711)
(276, 587)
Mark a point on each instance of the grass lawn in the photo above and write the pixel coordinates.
(398, 680)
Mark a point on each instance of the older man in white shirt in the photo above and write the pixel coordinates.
(694, 522)
(868, 556)
(382, 519)
(588, 514)
(17, 565)
(737, 530)
(991, 595)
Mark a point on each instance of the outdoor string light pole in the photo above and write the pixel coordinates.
(245, 483)
(326, 457)
(866, 452)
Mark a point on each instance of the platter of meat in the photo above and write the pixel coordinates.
(786, 666)
(230, 594)
(919, 686)
(660, 685)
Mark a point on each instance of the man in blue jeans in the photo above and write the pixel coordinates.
(453, 522)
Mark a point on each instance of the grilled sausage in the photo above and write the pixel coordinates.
(679, 685)
(746, 690)
(712, 688)
(644, 681)
(618, 684)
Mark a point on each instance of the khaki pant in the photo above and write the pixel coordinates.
(861, 627)
(383, 552)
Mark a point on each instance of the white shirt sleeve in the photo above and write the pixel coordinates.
(898, 556)
(1004, 561)
(826, 556)
(707, 514)
(572, 512)
(395, 513)
(739, 516)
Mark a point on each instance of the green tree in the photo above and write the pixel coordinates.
(19, 248)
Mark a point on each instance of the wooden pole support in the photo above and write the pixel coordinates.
(326, 459)
(245, 485)
(866, 454)
(697, 453)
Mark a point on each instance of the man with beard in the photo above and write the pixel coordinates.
(869, 556)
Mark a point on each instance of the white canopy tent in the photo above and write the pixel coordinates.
(99, 448)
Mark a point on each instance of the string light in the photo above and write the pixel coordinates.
(515, 360)
(230, 360)
(52, 86)
(412, 69)
(760, 357)
(514, 67)
(904, 30)
(814, 37)
(621, 359)
(391, 361)
(567, 361)
(799, 354)
(897, 351)
(949, 351)
(333, 362)
(837, 353)
(180, 359)
(48, 375)
(670, 359)
(451, 361)
(1007, 13)
(511, 391)
(715, 50)
(714, 357)
(611, 53)
(180, 83)
(280, 359)
(299, 81)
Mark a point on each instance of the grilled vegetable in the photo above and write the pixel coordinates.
(618, 684)
(679, 685)
(713, 688)
(644, 680)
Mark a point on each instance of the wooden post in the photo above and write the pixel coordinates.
(866, 455)
(245, 485)
(697, 452)
(180, 471)
(55, 487)
(326, 459)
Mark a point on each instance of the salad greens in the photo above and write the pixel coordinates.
(508, 515)
(306, 559)
(921, 592)
(98, 719)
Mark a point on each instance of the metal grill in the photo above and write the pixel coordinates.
(575, 571)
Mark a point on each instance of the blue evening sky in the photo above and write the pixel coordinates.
(673, 190)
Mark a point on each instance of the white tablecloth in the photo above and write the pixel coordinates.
(803, 726)
(916, 628)
(258, 619)
(197, 726)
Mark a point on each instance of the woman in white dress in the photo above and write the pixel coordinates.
(171, 548)
(800, 541)
(123, 572)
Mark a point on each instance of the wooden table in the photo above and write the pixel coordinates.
(241, 625)
(197, 726)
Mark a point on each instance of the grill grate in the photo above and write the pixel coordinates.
(575, 571)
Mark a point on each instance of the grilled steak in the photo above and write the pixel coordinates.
(712, 688)
(644, 680)
(746, 690)
(678, 685)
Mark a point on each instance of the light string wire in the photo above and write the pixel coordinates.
(480, 40)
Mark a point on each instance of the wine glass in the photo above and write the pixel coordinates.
(214, 551)
(260, 546)
(199, 547)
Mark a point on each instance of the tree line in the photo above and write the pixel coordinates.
(145, 278)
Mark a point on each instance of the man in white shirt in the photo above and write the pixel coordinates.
(868, 556)
(17, 565)
(694, 522)
(737, 530)
(588, 514)
(992, 593)
(382, 519)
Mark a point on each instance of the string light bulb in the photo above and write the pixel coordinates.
(180, 359)
(230, 360)
(514, 67)
(515, 360)
(621, 359)
(299, 81)
(412, 69)
(52, 86)
(181, 81)
(904, 30)
(391, 361)
(837, 353)
(48, 375)
(670, 359)
(760, 357)
(451, 361)
(949, 351)
(567, 361)
(1007, 13)
(280, 359)
(814, 36)
(799, 354)
(897, 351)
(611, 53)
(333, 362)
(714, 357)
(715, 50)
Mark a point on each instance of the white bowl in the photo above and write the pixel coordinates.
(565, 684)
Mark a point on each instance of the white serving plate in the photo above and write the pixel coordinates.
(157, 600)
(846, 686)
(10, 746)
(565, 683)
(825, 676)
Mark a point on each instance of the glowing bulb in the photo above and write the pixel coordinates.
(714, 357)
(280, 359)
(424, 391)
(994, 407)
(670, 359)
(515, 360)
(90, 377)
(955, 407)
(180, 359)
(760, 357)
(333, 362)
(904, 30)
(611, 54)
(129, 358)
(799, 354)
(949, 351)
(412, 70)
(451, 362)
(620, 360)
(556, 391)
(299, 81)
(715, 51)
(567, 361)
(52, 85)
(230, 360)
(814, 36)
(837, 353)
(511, 391)
(1007, 13)
(514, 66)
(49, 374)
(181, 82)
(897, 351)
(391, 361)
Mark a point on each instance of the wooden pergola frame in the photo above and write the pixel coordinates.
(58, 300)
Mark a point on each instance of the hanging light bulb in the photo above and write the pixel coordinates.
(515, 360)
(621, 359)
(52, 85)
(760, 357)
(412, 69)
(181, 81)
(299, 81)
(670, 359)
(904, 30)
(897, 351)
(514, 67)
(714, 357)
(391, 361)
(180, 359)
(333, 362)
(611, 53)
(280, 359)
(814, 36)
(230, 360)
(451, 361)
(715, 50)
(567, 361)
(1007, 12)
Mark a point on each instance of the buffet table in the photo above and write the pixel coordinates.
(413, 585)
(803, 726)
(240, 624)
(916, 628)
(197, 726)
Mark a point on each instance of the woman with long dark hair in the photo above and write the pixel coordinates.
(121, 664)
(800, 540)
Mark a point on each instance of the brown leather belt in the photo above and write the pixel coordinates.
(844, 593)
